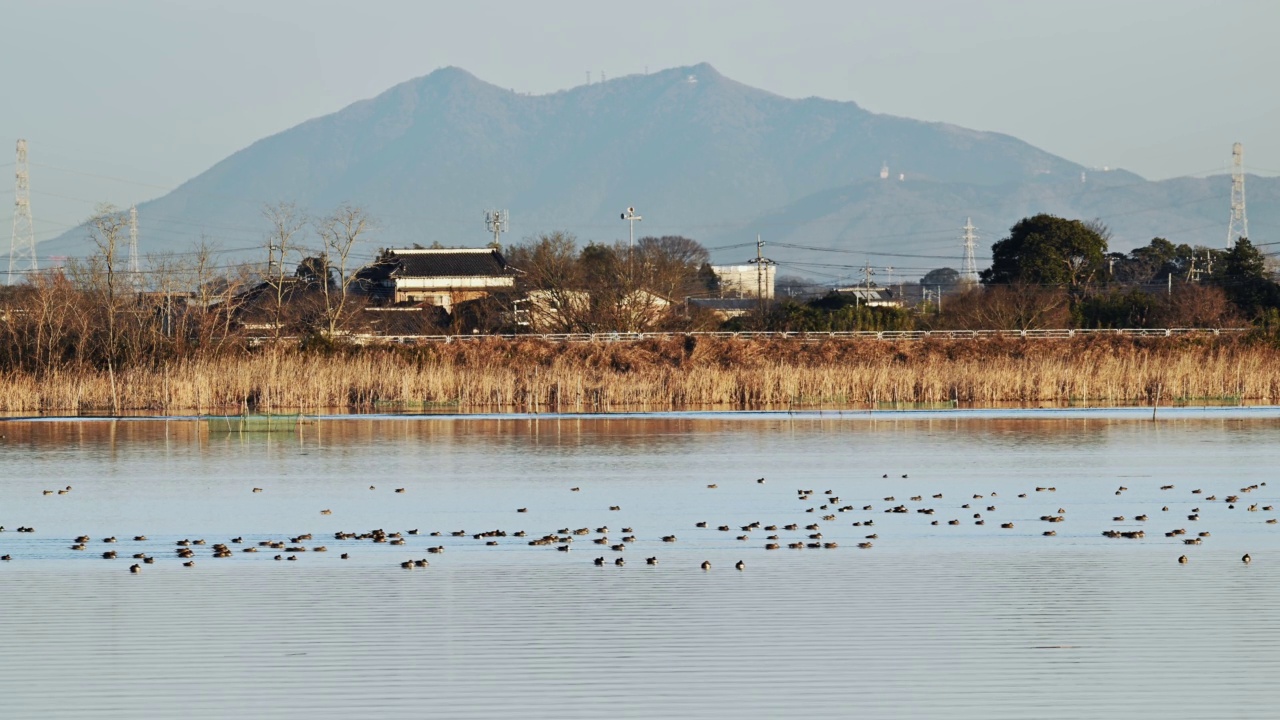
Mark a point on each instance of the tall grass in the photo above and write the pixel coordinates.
(501, 375)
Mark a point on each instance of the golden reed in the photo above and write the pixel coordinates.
(515, 375)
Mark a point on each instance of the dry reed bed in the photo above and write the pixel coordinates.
(670, 374)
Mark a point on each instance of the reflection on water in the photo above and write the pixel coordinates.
(933, 621)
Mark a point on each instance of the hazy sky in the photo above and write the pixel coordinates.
(122, 101)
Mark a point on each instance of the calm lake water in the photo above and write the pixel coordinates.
(945, 621)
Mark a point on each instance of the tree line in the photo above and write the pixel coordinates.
(1048, 272)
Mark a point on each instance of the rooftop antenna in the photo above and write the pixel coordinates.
(496, 221)
(969, 272)
(22, 245)
(1238, 227)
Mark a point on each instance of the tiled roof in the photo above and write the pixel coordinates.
(448, 263)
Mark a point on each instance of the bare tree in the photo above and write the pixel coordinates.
(1019, 306)
(286, 221)
(340, 231)
(552, 278)
(107, 229)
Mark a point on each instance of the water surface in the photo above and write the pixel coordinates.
(932, 621)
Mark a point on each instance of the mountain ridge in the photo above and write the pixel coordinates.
(696, 153)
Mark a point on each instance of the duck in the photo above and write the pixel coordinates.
(257, 489)
(109, 555)
(345, 556)
(740, 565)
(575, 489)
(1183, 560)
(668, 538)
(599, 562)
(649, 561)
(192, 563)
(712, 486)
(619, 562)
(1246, 559)
(400, 490)
(706, 564)
(135, 568)
(326, 512)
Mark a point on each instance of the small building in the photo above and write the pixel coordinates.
(575, 311)
(442, 277)
(871, 296)
(725, 308)
(751, 280)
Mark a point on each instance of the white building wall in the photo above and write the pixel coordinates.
(745, 280)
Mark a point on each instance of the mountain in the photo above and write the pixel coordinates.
(694, 152)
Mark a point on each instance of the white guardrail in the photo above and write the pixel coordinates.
(802, 336)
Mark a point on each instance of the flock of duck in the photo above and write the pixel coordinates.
(799, 536)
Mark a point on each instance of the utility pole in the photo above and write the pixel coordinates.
(760, 261)
(496, 221)
(1238, 227)
(969, 272)
(22, 245)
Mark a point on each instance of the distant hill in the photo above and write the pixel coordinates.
(695, 152)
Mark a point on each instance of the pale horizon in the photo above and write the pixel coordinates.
(1160, 89)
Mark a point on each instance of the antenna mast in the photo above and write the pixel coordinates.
(22, 245)
(1238, 227)
(496, 222)
(969, 273)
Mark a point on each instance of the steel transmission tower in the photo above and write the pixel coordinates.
(22, 246)
(496, 222)
(1239, 225)
(969, 273)
(133, 242)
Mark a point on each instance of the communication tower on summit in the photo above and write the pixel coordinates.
(969, 271)
(22, 245)
(1238, 227)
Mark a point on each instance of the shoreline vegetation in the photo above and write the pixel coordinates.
(522, 375)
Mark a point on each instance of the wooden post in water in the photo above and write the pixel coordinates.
(1156, 402)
